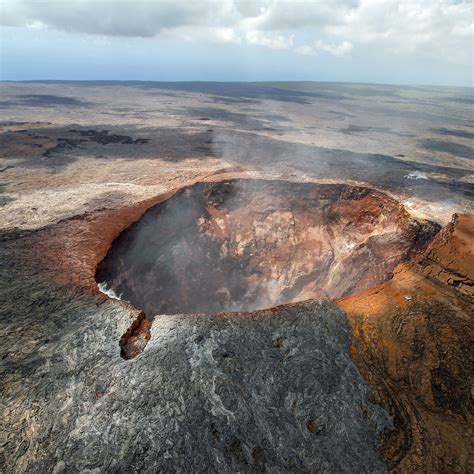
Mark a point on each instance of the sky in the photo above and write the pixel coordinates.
(373, 41)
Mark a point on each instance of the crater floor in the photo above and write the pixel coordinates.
(241, 245)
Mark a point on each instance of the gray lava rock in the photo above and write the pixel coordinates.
(209, 393)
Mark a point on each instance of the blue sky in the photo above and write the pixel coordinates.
(378, 41)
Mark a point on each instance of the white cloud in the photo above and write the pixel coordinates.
(422, 27)
(336, 49)
(291, 14)
(37, 25)
(341, 49)
(196, 34)
(440, 29)
(305, 50)
(141, 18)
(273, 41)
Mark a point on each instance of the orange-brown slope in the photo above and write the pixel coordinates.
(413, 340)
(70, 250)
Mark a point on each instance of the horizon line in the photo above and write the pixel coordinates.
(279, 81)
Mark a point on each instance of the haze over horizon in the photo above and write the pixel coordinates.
(365, 41)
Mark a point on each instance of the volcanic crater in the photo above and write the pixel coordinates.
(249, 244)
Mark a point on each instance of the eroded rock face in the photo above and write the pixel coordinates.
(241, 245)
(413, 343)
(263, 393)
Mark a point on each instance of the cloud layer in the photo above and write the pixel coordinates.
(339, 27)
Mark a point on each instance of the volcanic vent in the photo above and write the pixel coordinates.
(242, 245)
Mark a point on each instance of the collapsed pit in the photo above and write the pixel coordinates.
(242, 245)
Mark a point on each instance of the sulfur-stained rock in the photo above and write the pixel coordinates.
(241, 244)
(413, 342)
